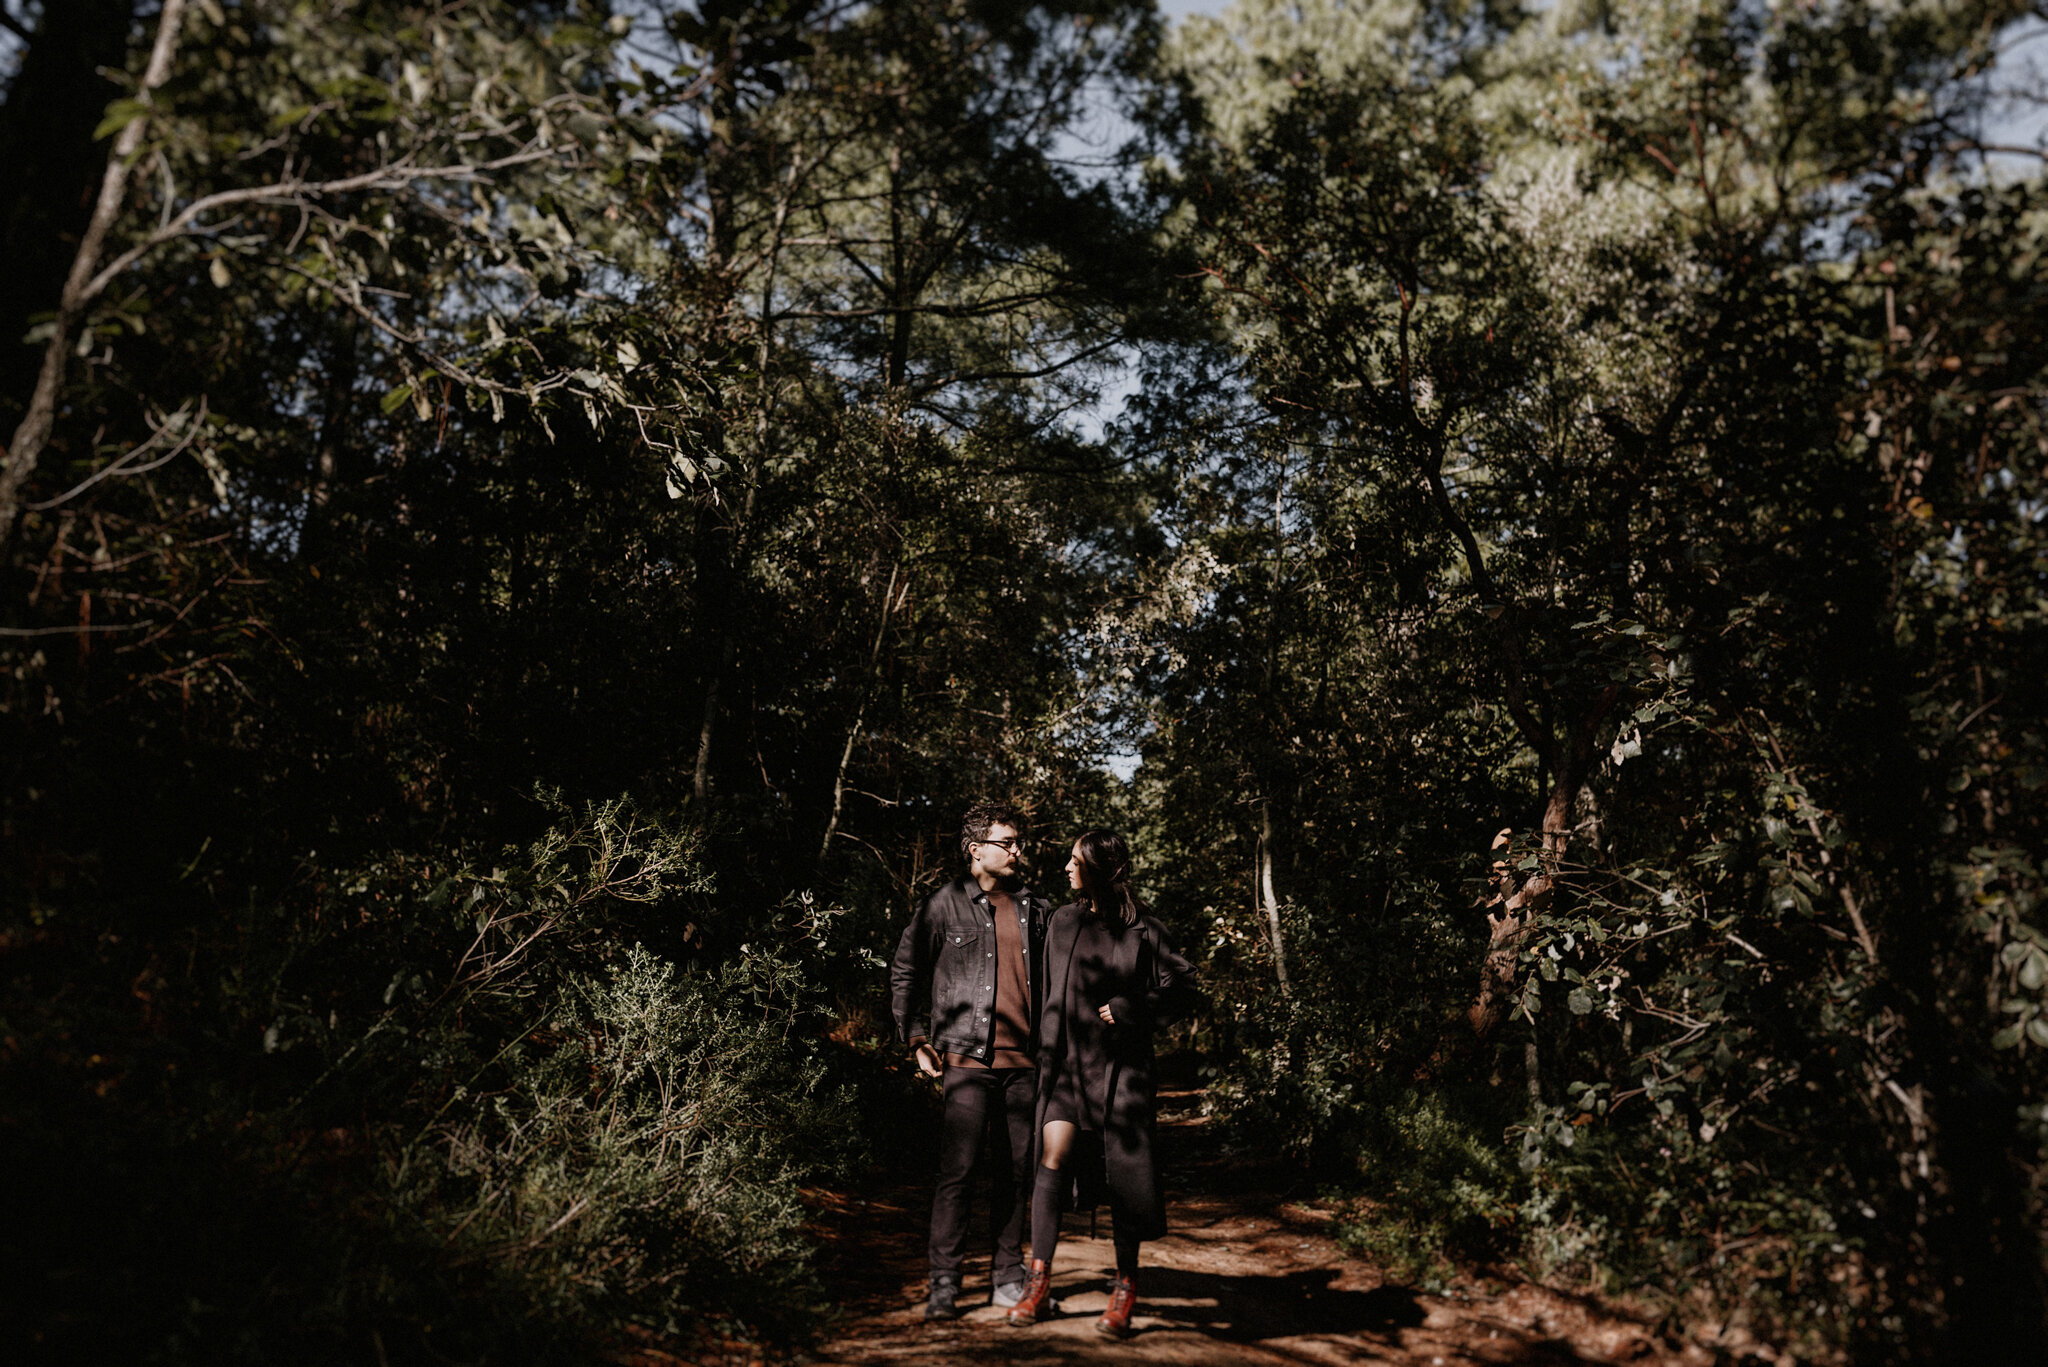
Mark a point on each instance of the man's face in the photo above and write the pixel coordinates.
(996, 853)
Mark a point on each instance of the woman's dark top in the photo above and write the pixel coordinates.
(1083, 1090)
(1104, 1072)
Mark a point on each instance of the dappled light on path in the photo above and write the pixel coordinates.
(1251, 1273)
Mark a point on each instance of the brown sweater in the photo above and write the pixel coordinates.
(1012, 1043)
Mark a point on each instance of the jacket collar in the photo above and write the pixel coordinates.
(1023, 895)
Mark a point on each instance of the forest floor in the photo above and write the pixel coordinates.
(1250, 1274)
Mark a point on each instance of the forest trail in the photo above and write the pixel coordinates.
(1251, 1273)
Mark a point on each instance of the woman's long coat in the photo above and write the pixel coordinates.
(1142, 977)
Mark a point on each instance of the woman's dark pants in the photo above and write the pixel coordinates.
(997, 1103)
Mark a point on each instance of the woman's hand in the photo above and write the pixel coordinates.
(1103, 1012)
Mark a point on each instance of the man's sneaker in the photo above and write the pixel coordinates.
(1036, 1302)
(1009, 1293)
(945, 1299)
(1123, 1299)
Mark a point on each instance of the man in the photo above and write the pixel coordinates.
(974, 952)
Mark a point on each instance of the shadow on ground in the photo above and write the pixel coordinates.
(1252, 1308)
(1250, 1274)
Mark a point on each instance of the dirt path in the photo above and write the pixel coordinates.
(1248, 1275)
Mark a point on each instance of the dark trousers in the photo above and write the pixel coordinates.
(996, 1103)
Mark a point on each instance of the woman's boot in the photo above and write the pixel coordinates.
(1037, 1302)
(1123, 1300)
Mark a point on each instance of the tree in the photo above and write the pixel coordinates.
(1569, 373)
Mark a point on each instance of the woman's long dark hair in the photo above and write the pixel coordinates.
(1106, 877)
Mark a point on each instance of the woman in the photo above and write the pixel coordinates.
(1108, 971)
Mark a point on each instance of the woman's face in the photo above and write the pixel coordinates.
(1074, 878)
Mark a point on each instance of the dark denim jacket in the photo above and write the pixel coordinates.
(948, 956)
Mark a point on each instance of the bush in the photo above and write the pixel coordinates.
(1431, 1187)
(443, 1112)
(639, 1154)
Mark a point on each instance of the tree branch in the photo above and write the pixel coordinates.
(120, 466)
(296, 192)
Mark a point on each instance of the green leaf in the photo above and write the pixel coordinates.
(2006, 1038)
(1580, 1001)
(396, 399)
(2037, 1031)
(119, 115)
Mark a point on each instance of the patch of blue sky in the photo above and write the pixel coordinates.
(2016, 101)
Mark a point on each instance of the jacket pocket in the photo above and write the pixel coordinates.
(962, 957)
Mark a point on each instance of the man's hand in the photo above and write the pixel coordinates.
(1103, 1012)
(927, 1061)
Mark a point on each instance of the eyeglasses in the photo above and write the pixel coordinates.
(1013, 844)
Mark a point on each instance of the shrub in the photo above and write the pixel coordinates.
(437, 1110)
(637, 1155)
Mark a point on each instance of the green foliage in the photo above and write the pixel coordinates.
(1432, 1191)
(508, 1128)
(644, 1165)
(1558, 496)
(598, 1135)
(507, 397)
(1571, 566)
(1300, 1069)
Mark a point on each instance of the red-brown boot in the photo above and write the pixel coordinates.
(1037, 1302)
(1123, 1301)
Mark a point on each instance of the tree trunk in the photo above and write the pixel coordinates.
(860, 713)
(336, 435)
(1520, 900)
(700, 778)
(896, 368)
(1269, 900)
(54, 102)
(36, 423)
(716, 589)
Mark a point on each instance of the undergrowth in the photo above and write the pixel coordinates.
(440, 1110)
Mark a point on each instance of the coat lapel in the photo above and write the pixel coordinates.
(1059, 958)
(1127, 954)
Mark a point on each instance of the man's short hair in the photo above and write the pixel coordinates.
(984, 816)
